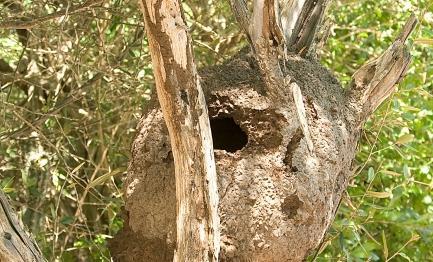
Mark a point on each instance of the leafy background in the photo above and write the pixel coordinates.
(73, 87)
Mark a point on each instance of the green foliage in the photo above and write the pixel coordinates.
(388, 212)
(67, 122)
(73, 93)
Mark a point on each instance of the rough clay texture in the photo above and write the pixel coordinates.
(277, 199)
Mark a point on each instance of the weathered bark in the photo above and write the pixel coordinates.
(279, 191)
(300, 20)
(15, 245)
(290, 24)
(185, 113)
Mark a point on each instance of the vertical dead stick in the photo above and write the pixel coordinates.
(185, 113)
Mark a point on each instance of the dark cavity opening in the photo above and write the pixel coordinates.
(227, 135)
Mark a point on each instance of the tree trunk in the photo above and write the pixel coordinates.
(285, 134)
(16, 244)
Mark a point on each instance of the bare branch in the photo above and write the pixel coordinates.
(28, 23)
(408, 28)
(374, 82)
(300, 20)
(289, 14)
(16, 245)
(289, 24)
(266, 40)
(264, 28)
(185, 113)
(256, 30)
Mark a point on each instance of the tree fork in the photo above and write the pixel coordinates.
(292, 23)
(275, 28)
(185, 113)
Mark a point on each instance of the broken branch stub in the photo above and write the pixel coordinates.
(185, 113)
(374, 82)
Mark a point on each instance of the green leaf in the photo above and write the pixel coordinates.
(403, 255)
(370, 174)
(404, 139)
(385, 246)
(8, 190)
(406, 171)
(424, 41)
(100, 180)
(391, 173)
(67, 220)
(379, 194)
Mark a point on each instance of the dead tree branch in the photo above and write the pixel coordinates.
(16, 245)
(275, 28)
(185, 112)
(266, 40)
(293, 24)
(375, 81)
(300, 20)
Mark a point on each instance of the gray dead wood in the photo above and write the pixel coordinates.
(375, 81)
(185, 112)
(16, 245)
(290, 24)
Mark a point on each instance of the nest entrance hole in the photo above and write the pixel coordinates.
(227, 134)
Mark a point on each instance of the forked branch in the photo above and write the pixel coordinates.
(300, 21)
(375, 81)
(275, 28)
(289, 24)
